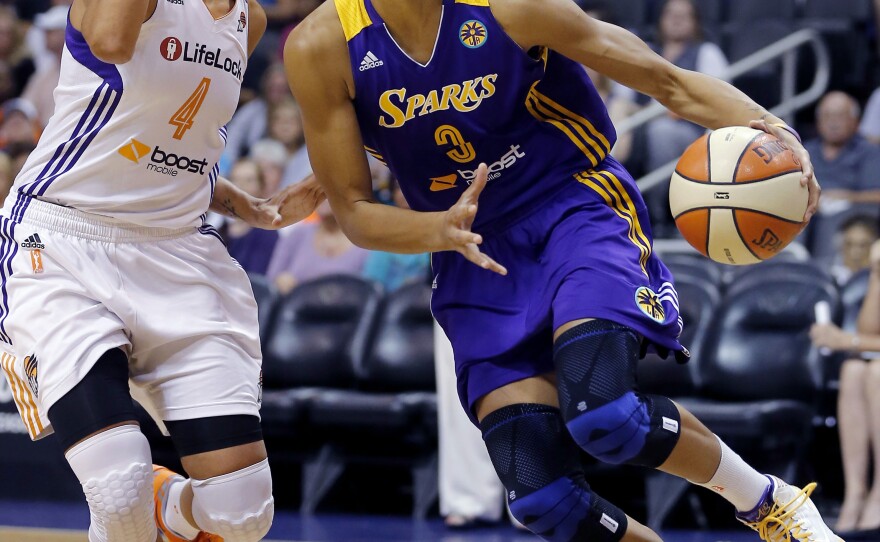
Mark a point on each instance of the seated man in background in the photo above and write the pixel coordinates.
(848, 165)
(858, 407)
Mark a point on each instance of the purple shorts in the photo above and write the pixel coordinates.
(584, 253)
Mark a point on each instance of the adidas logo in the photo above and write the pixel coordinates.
(33, 241)
(370, 61)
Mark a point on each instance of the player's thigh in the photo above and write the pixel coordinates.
(196, 355)
(535, 390)
(219, 462)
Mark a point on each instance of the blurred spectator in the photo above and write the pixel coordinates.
(251, 247)
(41, 86)
(858, 408)
(17, 64)
(19, 153)
(681, 41)
(271, 156)
(250, 123)
(285, 126)
(19, 124)
(6, 176)
(870, 127)
(395, 270)
(312, 250)
(855, 237)
(845, 163)
(620, 106)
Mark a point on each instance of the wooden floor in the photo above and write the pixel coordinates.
(43, 535)
(40, 535)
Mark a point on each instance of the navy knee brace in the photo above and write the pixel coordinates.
(539, 465)
(596, 373)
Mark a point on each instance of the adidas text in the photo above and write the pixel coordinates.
(33, 242)
(370, 61)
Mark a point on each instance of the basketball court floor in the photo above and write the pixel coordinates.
(65, 522)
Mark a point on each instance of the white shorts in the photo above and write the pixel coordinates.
(73, 286)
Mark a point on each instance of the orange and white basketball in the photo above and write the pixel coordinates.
(736, 195)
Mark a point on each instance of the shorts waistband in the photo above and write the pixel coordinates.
(70, 221)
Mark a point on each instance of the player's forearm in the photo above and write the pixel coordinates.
(711, 102)
(375, 226)
(868, 322)
(229, 200)
(111, 27)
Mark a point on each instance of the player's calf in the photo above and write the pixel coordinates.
(539, 466)
(596, 373)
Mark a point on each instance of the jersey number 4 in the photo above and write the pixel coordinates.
(185, 116)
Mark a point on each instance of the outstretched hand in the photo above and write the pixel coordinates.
(457, 222)
(289, 206)
(808, 179)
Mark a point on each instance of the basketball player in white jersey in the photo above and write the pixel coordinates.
(109, 277)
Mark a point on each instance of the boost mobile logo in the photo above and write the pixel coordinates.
(162, 161)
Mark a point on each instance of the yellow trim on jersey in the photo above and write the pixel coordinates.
(353, 16)
(572, 115)
(581, 132)
(481, 3)
(617, 202)
(632, 207)
(375, 154)
(22, 396)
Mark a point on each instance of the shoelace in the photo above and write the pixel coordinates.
(778, 525)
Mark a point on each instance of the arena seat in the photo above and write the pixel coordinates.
(266, 295)
(698, 299)
(317, 336)
(857, 11)
(694, 265)
(392, 415)
(629, 13)
(747, 36)
(760, 378)
(750, 11)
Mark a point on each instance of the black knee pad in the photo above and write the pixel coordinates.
(596, 365)
(202, 435)
(539, 465)
(99, 400)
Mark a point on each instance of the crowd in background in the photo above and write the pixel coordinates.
(266, 148)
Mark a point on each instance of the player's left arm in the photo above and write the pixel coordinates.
(256, 25)
(562, 26)
(290, 205)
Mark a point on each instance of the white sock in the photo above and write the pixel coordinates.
(173, 516)
(736, 481)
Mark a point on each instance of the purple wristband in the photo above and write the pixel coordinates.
(789, 129)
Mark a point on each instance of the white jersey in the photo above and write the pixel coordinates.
(139, 142)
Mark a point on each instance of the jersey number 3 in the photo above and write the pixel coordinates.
(462, 150)
(185, 116)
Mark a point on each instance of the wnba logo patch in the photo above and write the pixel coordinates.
(649, 303)
(473, 34)
(34, 245)
(30, 370)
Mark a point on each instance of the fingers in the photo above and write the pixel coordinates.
(473, 254)
(472, 194)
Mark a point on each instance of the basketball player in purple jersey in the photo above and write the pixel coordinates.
(546, 345)
(113, 285)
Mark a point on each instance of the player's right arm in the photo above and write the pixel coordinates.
(111, 27)
(317, 64)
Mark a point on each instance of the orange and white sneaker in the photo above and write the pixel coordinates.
(163, 479)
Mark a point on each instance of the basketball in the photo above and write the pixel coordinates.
(736, 195)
